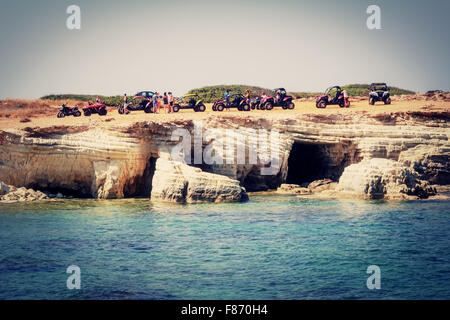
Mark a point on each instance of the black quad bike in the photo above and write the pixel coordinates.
(189, 101)
(141, 101)
(256, 104)
(327, 98)
(279, 98)
(68, 111)
(237, 101)
(379, 92)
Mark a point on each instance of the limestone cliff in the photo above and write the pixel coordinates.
(115, 161)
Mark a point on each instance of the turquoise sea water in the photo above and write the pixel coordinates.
(272, 247)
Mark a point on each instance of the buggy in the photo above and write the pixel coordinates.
(237, 100)
(379, 92)
(189, 101)
(279, 98)
(327, 98)
(141, 101)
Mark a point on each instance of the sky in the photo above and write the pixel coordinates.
(171, 45)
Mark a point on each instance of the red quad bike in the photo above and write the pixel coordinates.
(237, 100)
(97, 107)
(68, 111)
(278, 99)
(141, 101)
(325, 99)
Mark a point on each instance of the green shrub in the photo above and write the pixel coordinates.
(214, 93)
(108, 100)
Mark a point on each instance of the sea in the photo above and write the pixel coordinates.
(271, 247)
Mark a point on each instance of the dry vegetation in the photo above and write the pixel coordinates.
(26, 109)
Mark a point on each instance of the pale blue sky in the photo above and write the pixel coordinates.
(174, 45)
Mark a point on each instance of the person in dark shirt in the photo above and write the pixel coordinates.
(166, 102)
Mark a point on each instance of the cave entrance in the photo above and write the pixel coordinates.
(305, 163)
(308, 161)
(141, 186)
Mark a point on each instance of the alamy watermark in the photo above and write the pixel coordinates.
(73, 21)
(374, 281)
(74, 280)
(374, 20)
(214, 146)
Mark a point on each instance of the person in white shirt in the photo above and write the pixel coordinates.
(170, 102)
(346, 99)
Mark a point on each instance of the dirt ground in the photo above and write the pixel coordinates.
(358, 105)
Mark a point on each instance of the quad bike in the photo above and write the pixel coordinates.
(97, 107)
(141, 101)
(324, 100)
(278, 99)
(189, 101)
(256, 104)
(379, 92)
(68, 111)
(237, 100)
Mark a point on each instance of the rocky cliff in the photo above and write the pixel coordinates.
(251, 152)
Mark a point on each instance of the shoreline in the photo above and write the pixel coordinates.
(394, 152)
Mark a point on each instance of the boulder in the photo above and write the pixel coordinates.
(383, 179)
(4, 188)
(177, 182)
(293, 189)
(318, 186)
(11, 193)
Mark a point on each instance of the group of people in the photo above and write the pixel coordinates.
(166, 101)
(247, 96)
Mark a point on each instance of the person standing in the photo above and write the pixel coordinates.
(125, 101)
(170, 102)
(125, 104)
(346, 98)
(166, 102)
(247, 96)
(155, 102)
(227, 98)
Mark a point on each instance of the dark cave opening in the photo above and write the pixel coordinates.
(83, 192)
(141, 186)
(306, 163)
(315, 161)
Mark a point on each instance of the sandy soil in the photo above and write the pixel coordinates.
(301, 107)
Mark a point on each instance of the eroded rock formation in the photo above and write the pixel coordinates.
(178, 182)
(383, 179)
(10, 193)
(137, 159)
